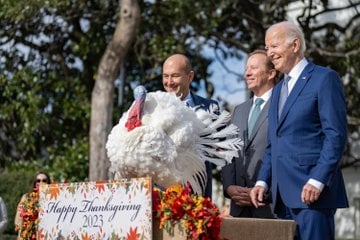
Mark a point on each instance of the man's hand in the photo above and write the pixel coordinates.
(240, 195)
(309, 194)
(257, 196)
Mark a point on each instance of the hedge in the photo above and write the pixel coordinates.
(13, 184)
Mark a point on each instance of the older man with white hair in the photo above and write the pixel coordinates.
(307, 134)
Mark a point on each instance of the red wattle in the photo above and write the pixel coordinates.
(134, 118)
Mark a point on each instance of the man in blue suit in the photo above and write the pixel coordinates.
(177, 75)
(307, 133)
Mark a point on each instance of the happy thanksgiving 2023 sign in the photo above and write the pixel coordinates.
(96, 210)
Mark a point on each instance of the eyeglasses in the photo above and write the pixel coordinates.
(41, 180)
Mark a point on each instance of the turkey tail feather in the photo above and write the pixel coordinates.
(230, 130)
(227, 144)
(218, 121)
(190, 169)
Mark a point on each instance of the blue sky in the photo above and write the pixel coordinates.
(227, 79)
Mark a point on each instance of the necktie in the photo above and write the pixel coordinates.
(254, 115)
(283, 95)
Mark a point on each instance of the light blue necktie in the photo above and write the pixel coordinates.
(283, 95)
(254, 115)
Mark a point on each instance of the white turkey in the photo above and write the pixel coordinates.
(160, 137)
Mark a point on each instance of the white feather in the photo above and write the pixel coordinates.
(172, 143)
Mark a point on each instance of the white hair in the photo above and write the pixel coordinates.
(292, 31)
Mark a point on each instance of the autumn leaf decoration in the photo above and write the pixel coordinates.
(100, 186)
(85, 236)
(133, 235)
(54, 191)
(196, 215)
(29, 211)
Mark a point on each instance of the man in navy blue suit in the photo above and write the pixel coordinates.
(307, 133)
(177, 74)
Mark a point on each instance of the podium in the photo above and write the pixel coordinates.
(241, 228)
(257, 229)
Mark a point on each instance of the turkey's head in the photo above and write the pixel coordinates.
(136, 111)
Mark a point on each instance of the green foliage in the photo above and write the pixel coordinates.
(73, 161)
(19, 10)
(50, 51)
(39, 118)
(21, 182)
(20, 112)
(10, 237)
(352, 84)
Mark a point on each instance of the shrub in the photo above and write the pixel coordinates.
(13, 185)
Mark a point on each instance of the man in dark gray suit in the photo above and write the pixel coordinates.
(177, 75)
(251, 117)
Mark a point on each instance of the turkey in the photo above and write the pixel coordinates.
(160, 137)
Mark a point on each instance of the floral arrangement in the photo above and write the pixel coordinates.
(29, 211)
(197, 216)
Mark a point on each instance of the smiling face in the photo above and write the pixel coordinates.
(177, 75)
(259, 76)
(283, 49)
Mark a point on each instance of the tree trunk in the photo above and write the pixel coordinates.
(102, 94)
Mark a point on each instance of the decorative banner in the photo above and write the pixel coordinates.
(96, 210)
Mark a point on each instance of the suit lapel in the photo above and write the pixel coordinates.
(241, 120)
(300, 84)
(244, 121)
(275, 99)
(197, 101)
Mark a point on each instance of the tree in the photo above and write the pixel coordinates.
(51, 51)
(102, 94)
(47, 67)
